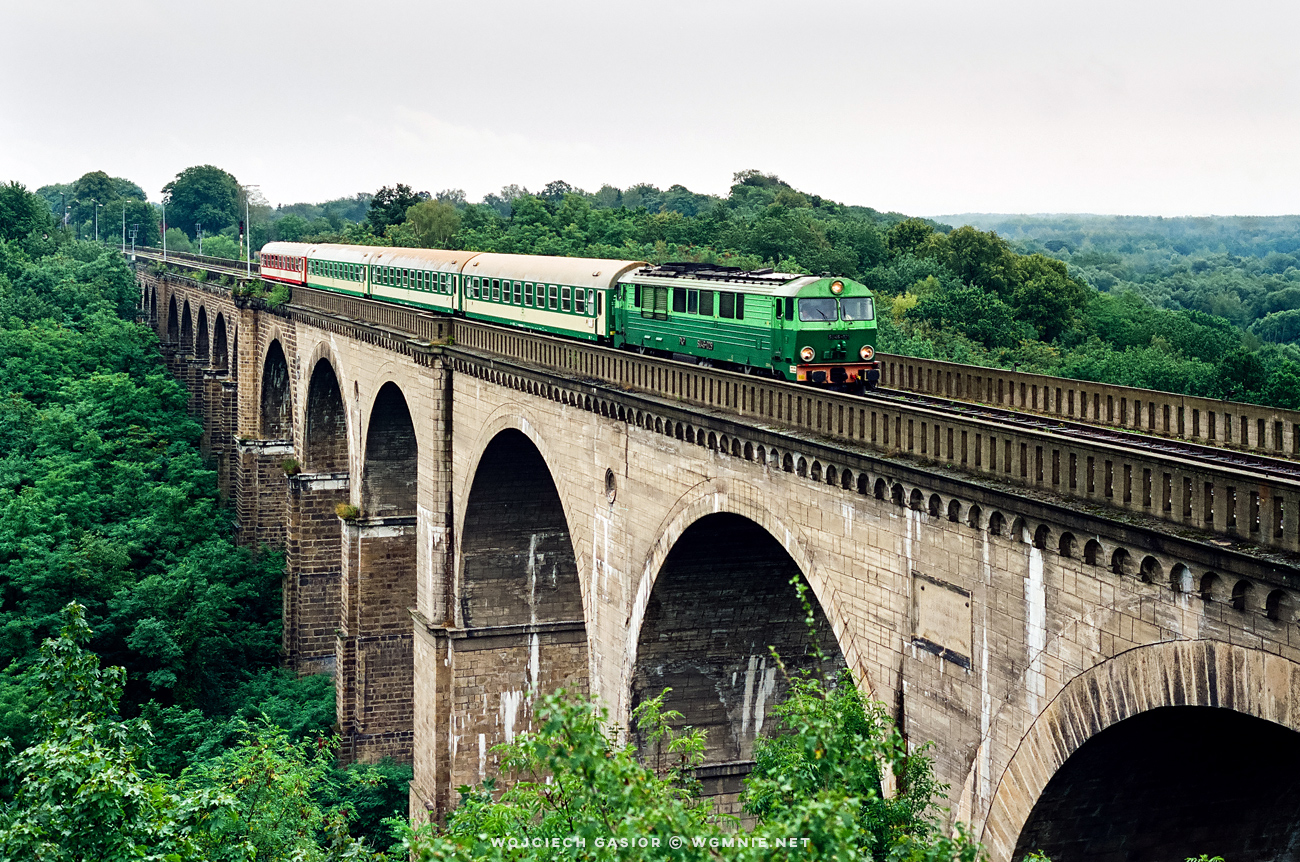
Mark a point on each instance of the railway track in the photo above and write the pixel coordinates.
(1224, 458)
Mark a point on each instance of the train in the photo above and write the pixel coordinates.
(818, 330)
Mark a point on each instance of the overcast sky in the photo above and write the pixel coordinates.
(1168, 108)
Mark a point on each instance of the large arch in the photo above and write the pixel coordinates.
(518, 565)
(187, 329)
(721, 599)
(277, 413)
(153, 305)
(325, 443)
(201, 334)
(220, 357)
(173, 321)
(390, 480)
(1149, 679)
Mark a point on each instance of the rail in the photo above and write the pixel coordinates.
(1227, 424)
(1257, 501)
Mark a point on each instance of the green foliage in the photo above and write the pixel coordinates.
(80, 792)
(390, 204)
(205, 195)
(222, 246)
(434, 223)
(21, 213)
(178, 241)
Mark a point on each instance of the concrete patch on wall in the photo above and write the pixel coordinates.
(941, 619)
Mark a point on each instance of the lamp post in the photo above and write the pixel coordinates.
(248, 229)
(123, 225)
(164, 229)
(198, 230)
(98, 207)
(135, 229)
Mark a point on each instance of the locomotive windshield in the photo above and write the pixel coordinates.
(816, 310)
(858, 308)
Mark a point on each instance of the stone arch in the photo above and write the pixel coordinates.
(1020, 530)
(1211, 587)
(1278, 607)
(187, 329)
(1092, 553)
(325, 443)
(787, 463)
(816, 472)
(153, 306)
(1243, 595)
(389, 476)
(974, 517)
(1152, 679)
(276, 401)
(832, 475)
(846, 480)
(1120, 562)
(1151, 570)
(173, 321)
(201, 334)
(954, 511)
(997, 523)
(749, 452)
(518, 565)
(713, 441)
(749, 504)
(220, 357)
(801, 469)
(723, 675)
(1065, 547)
(1042, 536)
(1180, 579)
(737, 451)
(916, 500)
(881, 489)
(936, 506)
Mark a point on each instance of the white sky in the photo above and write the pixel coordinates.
(1115, 106)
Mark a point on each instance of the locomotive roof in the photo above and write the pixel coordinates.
(576, 271)
(705, 276)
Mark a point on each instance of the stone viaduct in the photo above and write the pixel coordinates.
(470, 524)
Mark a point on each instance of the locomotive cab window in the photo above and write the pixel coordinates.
(858, 308)
(817, 310)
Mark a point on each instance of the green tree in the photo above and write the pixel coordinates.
(434, 222)
(204, 195)
(1045, 296)
(80, 792)
(390, 204)
(21, 212)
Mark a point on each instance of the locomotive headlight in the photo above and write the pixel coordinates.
(837, 287)
(866, 352)
(807, 354)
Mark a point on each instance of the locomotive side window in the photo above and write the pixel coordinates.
(789, 308)
(519, 293)
(528, 293)
(726, 304)
(565, 296)
(579, 301)
(740, 306)
(553, 297)
(679, 299)
(693, 302)
(706, 303)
